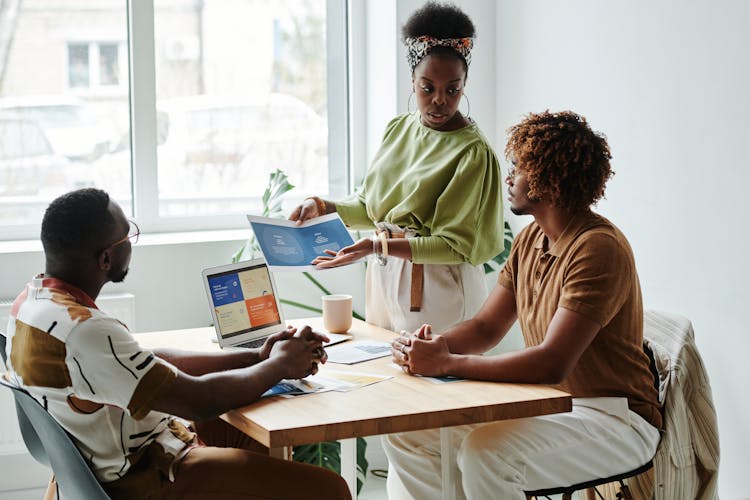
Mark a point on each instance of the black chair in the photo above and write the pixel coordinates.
(624, 493)
(51, 446)
(567, 491)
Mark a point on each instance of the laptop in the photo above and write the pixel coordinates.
(245, 304)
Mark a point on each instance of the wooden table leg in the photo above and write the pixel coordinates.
(283, 452)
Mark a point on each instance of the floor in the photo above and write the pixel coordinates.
(36, 494)
(374, 489)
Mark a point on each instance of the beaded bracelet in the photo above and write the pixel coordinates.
(383, 254)
(382, 259)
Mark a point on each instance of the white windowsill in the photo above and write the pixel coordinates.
(155, 239)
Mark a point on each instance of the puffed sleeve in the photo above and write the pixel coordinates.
(353, 209)
(467, 224)
(108, 366)
(353, 212)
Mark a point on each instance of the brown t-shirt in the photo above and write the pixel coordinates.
(590, 269)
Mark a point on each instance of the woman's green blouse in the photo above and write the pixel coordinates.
(446, 186)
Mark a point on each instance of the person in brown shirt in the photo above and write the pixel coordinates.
(572, 284)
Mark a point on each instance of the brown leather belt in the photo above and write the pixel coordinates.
(417, 274)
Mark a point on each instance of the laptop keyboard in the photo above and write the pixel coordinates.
(252, 343)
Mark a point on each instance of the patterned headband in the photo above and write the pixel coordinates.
(417, 48)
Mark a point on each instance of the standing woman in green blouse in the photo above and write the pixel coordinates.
(432, 193)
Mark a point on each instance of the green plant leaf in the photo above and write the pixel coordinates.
(316, 283)
(328, 454)
(500, 258)
(301, 305)
(356, 315)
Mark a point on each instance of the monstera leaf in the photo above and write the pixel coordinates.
(499, 259)
(328, 454)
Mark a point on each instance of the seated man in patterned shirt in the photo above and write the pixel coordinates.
(128, 408)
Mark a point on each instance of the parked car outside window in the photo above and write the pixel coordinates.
(70, 125)
(28, 164)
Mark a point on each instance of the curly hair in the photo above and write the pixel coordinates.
(439, 21)
(565, 162)
(76, 223)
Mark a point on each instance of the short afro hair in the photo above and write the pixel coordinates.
(77, 223)
(565, 162)
(439, 21)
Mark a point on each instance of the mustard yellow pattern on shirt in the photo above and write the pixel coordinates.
(444, 185)
(39, 358)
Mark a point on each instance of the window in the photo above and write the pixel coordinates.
(222, 94)
(94, 65)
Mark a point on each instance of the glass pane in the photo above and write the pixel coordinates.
(109, 71)
(78, 65)
(241, 92)
(58, 132)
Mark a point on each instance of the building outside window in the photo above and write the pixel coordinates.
(240, 89)
(94, 64)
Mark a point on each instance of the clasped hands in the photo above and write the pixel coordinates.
(300, 350)
(421, 352)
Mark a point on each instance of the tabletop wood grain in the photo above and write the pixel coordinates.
(402, 403)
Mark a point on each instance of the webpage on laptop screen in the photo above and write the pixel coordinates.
(244, 301)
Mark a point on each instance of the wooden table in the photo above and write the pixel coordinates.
(402, 403)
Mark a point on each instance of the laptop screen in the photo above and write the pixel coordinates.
(243, 299)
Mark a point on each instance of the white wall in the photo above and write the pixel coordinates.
(668, 83)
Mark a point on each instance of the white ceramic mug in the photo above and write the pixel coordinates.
(337, 313)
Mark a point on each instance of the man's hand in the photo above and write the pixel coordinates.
(265, 349)
(360, 249)
(307, 333)
(301, 353)
(421, 353)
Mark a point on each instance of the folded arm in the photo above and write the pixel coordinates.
(207, 394)
(568, 336)
(458, 351)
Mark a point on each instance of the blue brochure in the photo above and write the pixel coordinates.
(289, 247)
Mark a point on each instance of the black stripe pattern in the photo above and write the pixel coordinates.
(84, 376)
(114, 355)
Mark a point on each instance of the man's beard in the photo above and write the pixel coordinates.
(117, 276)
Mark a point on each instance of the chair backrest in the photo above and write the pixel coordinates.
(29, 435)
(73, 475)
(2, 346)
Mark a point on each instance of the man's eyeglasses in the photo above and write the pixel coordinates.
(133, 234)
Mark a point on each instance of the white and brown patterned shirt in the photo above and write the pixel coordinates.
(89, 372)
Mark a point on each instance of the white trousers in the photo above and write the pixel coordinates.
(452, 293)
(601, 437)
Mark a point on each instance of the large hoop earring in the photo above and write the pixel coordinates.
(468, 106)
(408, 103)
